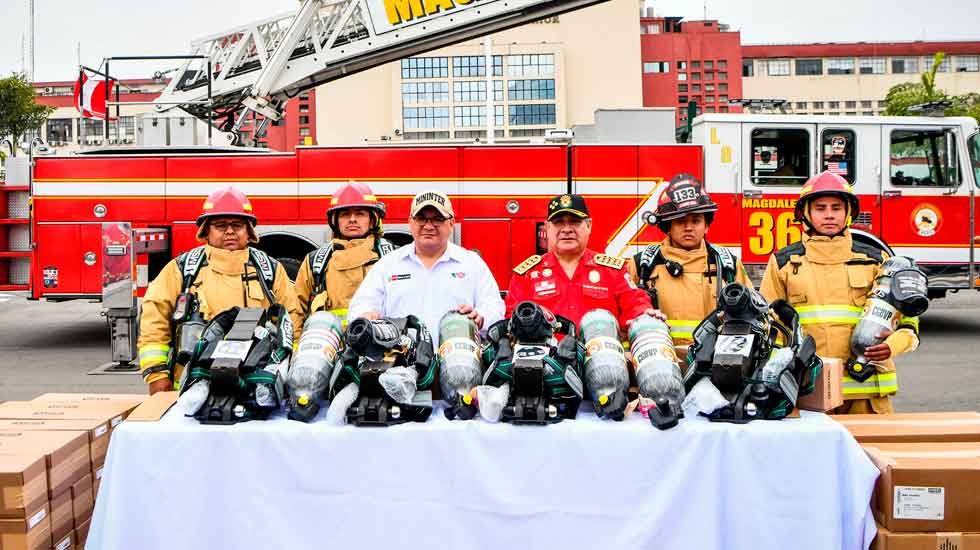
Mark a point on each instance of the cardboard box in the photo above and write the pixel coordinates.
(887, 540)
(828, 393)
(927, 486)
(30, 533)
(131, 398)
(66, 543)
(82, 500)
(111, 412)
(66, 454)
(81, 534)
(154, 408)
(97, 481)
(913, 427)
(62, 520)
(23, 484)
(98, 432)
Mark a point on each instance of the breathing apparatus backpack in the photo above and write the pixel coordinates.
(390, 364)
(736, 353)
(544, 375)
(237, 369)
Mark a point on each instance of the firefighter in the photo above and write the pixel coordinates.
(684, 273)
(221, 274)
(827, 277)
(331, 274)
(570, 280)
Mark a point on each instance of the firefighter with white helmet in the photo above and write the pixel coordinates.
(221, 274)
(684, 272)
(330, 275)
(828, 277)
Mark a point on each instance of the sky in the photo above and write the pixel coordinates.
(105, 28)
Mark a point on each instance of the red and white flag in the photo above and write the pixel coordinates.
(90, 96)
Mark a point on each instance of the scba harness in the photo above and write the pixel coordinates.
(320, 258)
(646, 262)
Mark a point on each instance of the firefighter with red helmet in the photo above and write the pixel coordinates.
(828, 277)
(684, 273)
(331, 274)
(223, 273)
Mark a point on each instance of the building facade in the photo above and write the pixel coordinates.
(66, 131)
(549, 74)
(852, 79)
(686, 61)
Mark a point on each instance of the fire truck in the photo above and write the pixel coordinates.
(99, 226)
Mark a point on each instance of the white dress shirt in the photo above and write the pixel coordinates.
(400, 285)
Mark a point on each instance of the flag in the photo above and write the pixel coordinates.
(839, 168)
(90, 96)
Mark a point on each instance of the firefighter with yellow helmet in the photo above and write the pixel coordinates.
(828, 277)
(684, 273)
(331, 274)
(223, 273)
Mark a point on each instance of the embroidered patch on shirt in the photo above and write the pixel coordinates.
(545, 287)
(401, 277)
(459, 275)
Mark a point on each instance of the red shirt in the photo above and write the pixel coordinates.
(595, 285)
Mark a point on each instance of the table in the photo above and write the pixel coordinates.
(799, 483)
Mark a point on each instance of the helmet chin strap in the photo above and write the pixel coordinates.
(813, 230)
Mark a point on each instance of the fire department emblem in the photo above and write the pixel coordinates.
(593, 276)
(546, 272)
(565, 201)
(926, 220)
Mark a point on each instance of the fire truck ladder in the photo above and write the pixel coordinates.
(260, 66)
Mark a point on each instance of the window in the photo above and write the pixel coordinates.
(723, 109)
(304, 97)
(303, 132)
(709, 109)
(475, 115)
(974, 146)
(924, 158)
(682, 99)
(59, 131)
(872, 65)
(709, 99)
(867, 113)
(943, 67)
(425, 92)
(305, 119)
(475, 134)
(682, 87)
(425, 67)
(695, 87)
(528, 115)
(818, 104)
(748, 67)
(709, 65)
(682, 76)
(304, 108)
(682, 65)
(527, 132)
(651, 28)
(412, 136)
(833, 104)
(780, 156)
(839, 148)
(801, 104)
(850, 113)
(905, 65)
(469, 91)
(722, 76)
(809, 66)
(529, 90)
(968, 63)
(695, 76)
(425, 117)
(709, 87)
(777, 67)
(475, 65)
(850, 104)
(723, 87)
(695, 64)
(865, 104)
(882, 104)
(652, 67)
(723, 64)
(531, 65)
(842, 65)
(723, 99)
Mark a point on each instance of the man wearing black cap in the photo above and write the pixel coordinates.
(570, 279)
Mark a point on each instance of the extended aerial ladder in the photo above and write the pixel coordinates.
(260, 66)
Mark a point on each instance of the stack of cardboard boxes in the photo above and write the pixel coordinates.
(52, 453)
(928, 494)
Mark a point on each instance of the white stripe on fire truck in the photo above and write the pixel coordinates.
(98, 188)
(506, 188)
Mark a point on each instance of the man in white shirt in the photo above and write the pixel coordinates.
(430, 276)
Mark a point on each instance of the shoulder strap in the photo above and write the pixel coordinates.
(385, 247)
(527, 264)
(725, 261)
(783, 255)
(266, 267)
(190, 263)
(606, 260)
(319, 259)
(868, 250)
(646, 260)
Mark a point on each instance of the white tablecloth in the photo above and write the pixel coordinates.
(592, 484)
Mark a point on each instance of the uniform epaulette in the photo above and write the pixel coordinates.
(783, 254)
(609, 261)
(527, 264)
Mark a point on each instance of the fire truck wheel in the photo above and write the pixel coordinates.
(291, 265)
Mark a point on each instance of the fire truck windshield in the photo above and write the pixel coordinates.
(975, 156)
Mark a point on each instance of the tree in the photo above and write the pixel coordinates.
(902, 96)
(19, 112)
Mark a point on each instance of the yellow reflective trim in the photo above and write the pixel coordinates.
(340, 312)
(844, 307)
(881, 384)
(155, 347)
(681, 334)
(830, 319)
(910, 322)
(682, 323)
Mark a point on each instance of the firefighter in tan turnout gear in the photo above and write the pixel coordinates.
(828, 277)
(684, 272)
(330, 275)
(222, 274)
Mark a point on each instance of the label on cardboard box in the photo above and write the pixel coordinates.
(65, 544)
(100, 431)
(115, 421)
(98, 473)
(920, 502)
(36, 518)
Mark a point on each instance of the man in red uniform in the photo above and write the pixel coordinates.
(570, 280)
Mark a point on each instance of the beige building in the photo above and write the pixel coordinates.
(551, 74)
(852, 79)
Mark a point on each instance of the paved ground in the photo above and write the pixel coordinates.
(51, 347)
